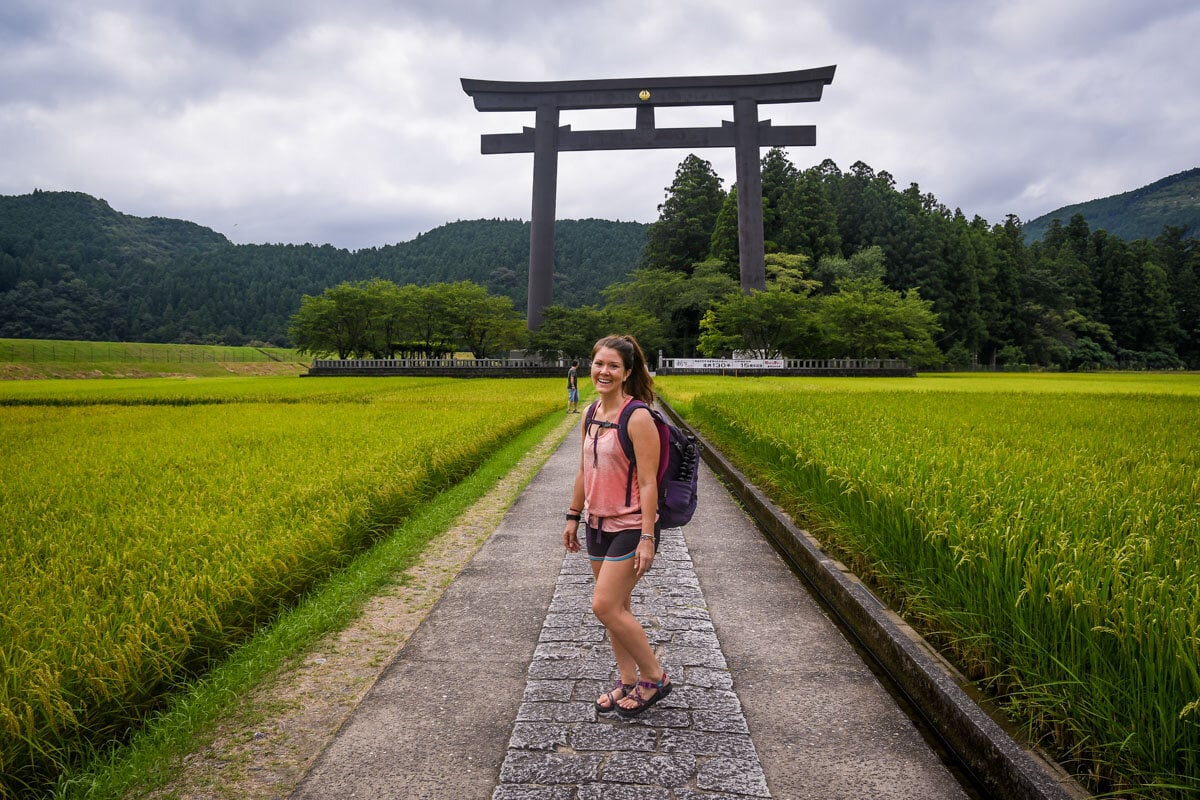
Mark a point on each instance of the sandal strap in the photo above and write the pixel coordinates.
(655, 684)
(618, 685)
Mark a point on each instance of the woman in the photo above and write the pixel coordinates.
(622, 537)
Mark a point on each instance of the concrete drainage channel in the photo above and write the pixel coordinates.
(987, 756)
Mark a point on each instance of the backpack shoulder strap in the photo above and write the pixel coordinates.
(623, 427)
(627, 443)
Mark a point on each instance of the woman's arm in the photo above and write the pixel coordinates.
(571, 528)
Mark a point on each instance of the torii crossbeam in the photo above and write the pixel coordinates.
(746, 134)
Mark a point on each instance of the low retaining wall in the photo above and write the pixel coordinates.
(998, 762)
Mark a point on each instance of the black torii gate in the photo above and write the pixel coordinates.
(747, 134)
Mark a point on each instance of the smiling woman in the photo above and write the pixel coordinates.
(617, 502)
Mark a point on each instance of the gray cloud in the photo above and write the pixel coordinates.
(306, 121)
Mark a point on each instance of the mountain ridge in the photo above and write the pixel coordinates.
(72, 267)
(1140, 213)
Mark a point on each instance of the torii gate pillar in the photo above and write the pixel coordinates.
(746, 134)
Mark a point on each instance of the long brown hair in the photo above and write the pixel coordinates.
(640, 383)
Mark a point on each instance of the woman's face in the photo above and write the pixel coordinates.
(608, 371)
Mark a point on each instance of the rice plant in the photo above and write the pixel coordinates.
(1044, 530)
(146, 534)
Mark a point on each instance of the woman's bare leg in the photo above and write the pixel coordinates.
(612, 603)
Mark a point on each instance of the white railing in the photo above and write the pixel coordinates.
(862, 364)
(430, 363)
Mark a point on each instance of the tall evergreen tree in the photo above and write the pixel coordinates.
(1112, 261)
(958, 306)
(724, 242)
(682, 236)
(814, 227)
(1146, 312)
(863, 206)
(778, 187)
(914, 241)
(1180, 257)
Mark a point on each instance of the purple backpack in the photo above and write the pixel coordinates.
(678, 465)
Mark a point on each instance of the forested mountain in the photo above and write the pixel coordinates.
(1079, 297)
(73, 268)
(1140, 214)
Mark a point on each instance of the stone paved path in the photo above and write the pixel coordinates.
(693, 744)
(492, 696)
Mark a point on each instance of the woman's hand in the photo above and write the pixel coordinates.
(571, 536)
(643, 557)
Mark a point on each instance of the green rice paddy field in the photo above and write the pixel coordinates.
(1044, 530)
(149, 526)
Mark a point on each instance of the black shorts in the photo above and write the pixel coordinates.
(615, 545)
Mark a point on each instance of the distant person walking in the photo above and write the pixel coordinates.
(619, 509)
(573, 388)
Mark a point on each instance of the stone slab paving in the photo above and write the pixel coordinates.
(492, 696)
(693, 745)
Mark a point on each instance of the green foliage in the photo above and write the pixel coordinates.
(865, 319)
(778, 322)
(378, 319)
(812, 220)
(798, 215)
(683, 234)
(678, 299)
(833, 268)
(96, 274)
(489, 324)
(589, 254)
(786, 271)
(772, 324)
(571, 332)
(723, 245)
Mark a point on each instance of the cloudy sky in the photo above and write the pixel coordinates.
(345, 122)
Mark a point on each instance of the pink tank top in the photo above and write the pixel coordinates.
(605, 471)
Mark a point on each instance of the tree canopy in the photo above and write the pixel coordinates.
(378, 319)
(1077, 299)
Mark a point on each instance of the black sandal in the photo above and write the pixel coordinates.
(662, 689)
(621, 686)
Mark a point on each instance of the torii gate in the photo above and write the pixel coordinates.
(547, 138)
